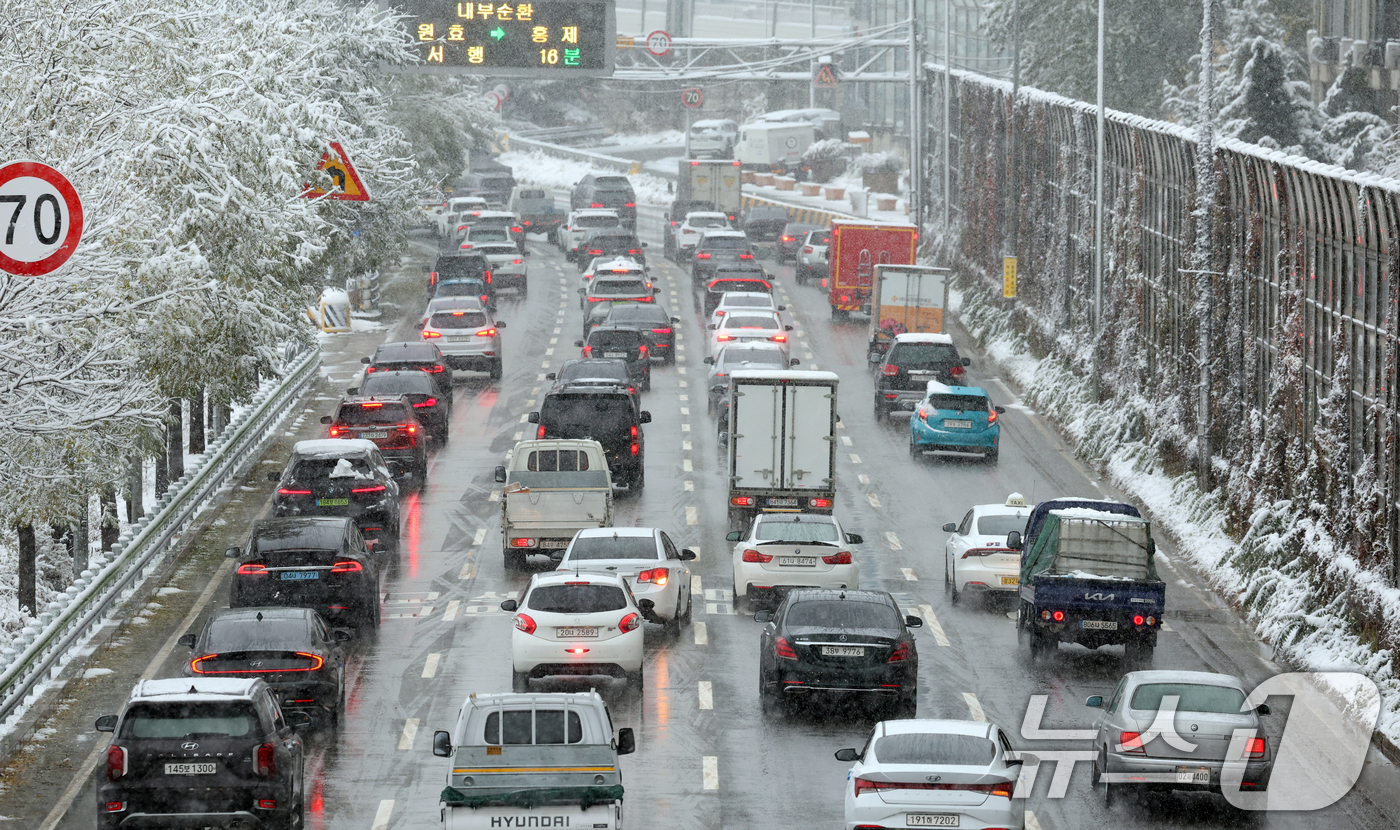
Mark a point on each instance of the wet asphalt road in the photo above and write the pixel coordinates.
(706, 757)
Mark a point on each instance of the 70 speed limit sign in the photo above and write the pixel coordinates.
(41, 219)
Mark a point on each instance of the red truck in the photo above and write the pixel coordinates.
(856, 248)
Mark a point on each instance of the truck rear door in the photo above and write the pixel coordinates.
(808, 425)
(755, 430)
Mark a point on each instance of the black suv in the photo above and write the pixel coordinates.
(606, 191)
(611, 243)
(341, 478)
(902, 375)
(416, 354)
(418, 386)
(202, 752)
(317, 562)
(393, 427)
(648, 318)
(595, 371)
(716, 249)
(764, 221)
(458, 265)
(608, 415)
(625, 343)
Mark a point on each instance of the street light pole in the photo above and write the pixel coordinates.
(1098, 220)
(947, 114)
(916, 139)
(1014, 194)
(812, 88)
(1205, 205)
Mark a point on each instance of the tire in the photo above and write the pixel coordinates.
(519, 681)
(689, 609)
(915, 453)
(496, 369)
(515, 560)
(1109, 791)
(799, 275)
(839, 316)
(953, 596)
(646, 383)
(638, 481)
(636, 680)
(882, 412)
(990, 457)
(906, 707)
(768, 702)
(1137, 654)
(371, 615)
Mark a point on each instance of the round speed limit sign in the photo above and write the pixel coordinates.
(41, 219)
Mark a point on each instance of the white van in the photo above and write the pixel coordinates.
(765, 146)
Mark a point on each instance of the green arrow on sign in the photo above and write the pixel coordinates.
(498, 33)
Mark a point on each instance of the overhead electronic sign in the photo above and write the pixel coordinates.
(534, 38)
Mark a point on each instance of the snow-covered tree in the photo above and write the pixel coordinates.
(1355, 135)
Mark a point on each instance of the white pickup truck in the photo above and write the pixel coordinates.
(553, 489)
(533, 760)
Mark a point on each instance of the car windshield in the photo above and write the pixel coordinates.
(532, 726)
(329, 469)
(614, 287)
(587, 411)
(1191, 697)
(457, 267)
(609, 370)
(638, 314)
(923, 355)
(531, 194)
(708, 222)
(765, 301)
(498, 249)
(727, 285)
(819, 238)
(357, 414)
(613, 195)
(958, 403)
(174, 721)
(795, 530)
(457, 320)
(615, 340)
(489, 235)
(585, 548)
(401, 352)
(830, 613)
(241, 634)
(751, 359)
(724, 243)
(612, 181)
(596, 222)
(557, 461)
(1000, 525)
(393, 384)
(581, 598)
(935, 749)
(737, 322)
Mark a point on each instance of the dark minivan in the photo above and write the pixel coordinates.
(607, 415)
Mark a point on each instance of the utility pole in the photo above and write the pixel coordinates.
(916, 142)
(1098, 222)
(1205, 207)
(947, 116)
(812, 87)
(1013, 189)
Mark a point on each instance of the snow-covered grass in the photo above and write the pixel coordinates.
(1286, 601)
(534, 167)
(632, 140)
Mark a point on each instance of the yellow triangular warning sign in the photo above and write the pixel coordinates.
(825, 77)
(348, 186)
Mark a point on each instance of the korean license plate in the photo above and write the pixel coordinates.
(577, 631)
(843, 651)
(931, 820)
(294, 576)
(554, 544)
(456, 338)
(951, 423)
(332, 502)
(1192, 775)
(191, 769)
(1011, 580)
(797, 561)
(1102, 625)
(782, 502)
(622, 355)
(372, 435)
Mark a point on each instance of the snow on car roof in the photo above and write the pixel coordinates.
(911, 337)
(1090, 513)
(331, 447)
(935, 387)
(616, 531)
(193, 687)
(561, 577)
(778, 374)
(932, 726)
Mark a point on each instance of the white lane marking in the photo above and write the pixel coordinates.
(519, 435)
(468, 571)
(381, 816)
(706, 695)
(689, 486)
(893, 540)
(548, 352)
(544, 365)
(846, 440)
(680, 370)
(909, 574)
(410, 731)
(451, 613)
(524, 417)
(556, 331)
(710, 765)
(686, 466)
(430, 665)
(535, 391)
(855, 459)
(812, 367)
(683, 397)
(931, 623)
(554, 341)
(873, 499)
(702, 637)
(480, 536)
(690, 516)
(685, 410)
(1166, 627)
(530, 404)
(685, 445)
(495, 496)
(695, 588)
(681, 383)
(1032, 823)
(685, 427)
(863, 479)
(975, 707)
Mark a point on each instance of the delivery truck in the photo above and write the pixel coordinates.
(781, 443)
(856, 249)
(905, 299)
(768, 146)
(553, 489)
(717, 183)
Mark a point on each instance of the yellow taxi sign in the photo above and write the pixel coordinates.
(1015, 500)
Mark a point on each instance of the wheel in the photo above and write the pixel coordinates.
(636, 680)
(646, 383)
(990, 456)
(882, 412)
(1109, 790)
(524, 290)
(768, 701)
(906, 707)
(371, 614)
(914, 451)
(953, 595)
(689, 607)
(1043, 643)
(638, 481)
(839, 316)
(515, 560)
(1137, 654)
(519, 681)
(496, 369)
(800, 275)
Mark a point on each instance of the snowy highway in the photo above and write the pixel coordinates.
(707, 757)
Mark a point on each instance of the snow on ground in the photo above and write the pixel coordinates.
(91, 673)
(630, 140)
(534, 167)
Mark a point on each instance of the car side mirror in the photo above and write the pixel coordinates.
(583, 291)
(1013, 540)
(967, 361)
(687, 555)
(644, 417)
(427, 269)
(1261, 709)
(712, 327)
(709, 361)
(646, 605)
(763, 616)
(533, 417)
(326, 419)
(106, 723)
(847, 755)
(297, 720)
(501, 475)
(500, 324)
(675, 319)
(365, 361)
(626, 741)
(875, 357)
(342, 635)
(950, 527)
(274, 476)
(646, 244)
(420, 325)
(509, 605)
(734, 535)
(855, 538)
(552, 376)
(787, 328)
(232, 553)
(782, 308)
(188, 640)
(655, 291)
(442, 744)
(1000, 410)
(1094, 702)
(578, 343)
(912, 621)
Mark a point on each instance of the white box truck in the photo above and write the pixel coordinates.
(782, 443)
(764, 146)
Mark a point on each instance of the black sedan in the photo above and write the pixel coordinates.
(342, 477)
(594, 371)
(292, 649)
(411, 356)
(432, 409)
(319, 563)
(838, 642)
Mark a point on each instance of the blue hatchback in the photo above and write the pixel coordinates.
(957, 419)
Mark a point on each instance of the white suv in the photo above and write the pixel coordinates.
(580, 224)
(465, 332)
(713, 136)
(577, 625)
(647, 558)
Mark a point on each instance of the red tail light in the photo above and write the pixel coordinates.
(1131, 742)
(518, 230)
(702, 255)
(842, 558)
(587, 351)
(114, 806)
(819, 503)
(522, 542)
(644, 350)
(991, 417)
(524, 623)
(779, 338)
(901, 654)
(1058, 616)
(596, 204)
(660, 331)
(782, 649)
(724, 338)
(754, 556)
(287, 491)
(539, 433)
(1139, 619)
(409, 428)
(1254, 748)
(629, 623)
(315, 662)
(956, 371)
(741, 501)
(595, 252)
(865, 785)
(433, 370)
(789, 239)
(116, 765)
(378, 488)
(487, 275)
(745, 256)
(806, 249)
(516, 261)
(656, 576)
(486, 333)
(484, 298)
(266, 764)
(889, 370)
(432, 278)
(252, 569)
(428, 402)
(429, 335)
(369, 369)
(527, 223)
(347, 566)
(629, 204)
(636, 448)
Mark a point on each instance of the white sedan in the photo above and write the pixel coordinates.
(750, 327)
(793, 550)
(975, 557)
(575, 625)
(651, 563)
(738, 301)
(934, 773)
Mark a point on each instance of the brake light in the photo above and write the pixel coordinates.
(782, 649)
(753, 556)
(741, 501)
(724, 338)
(1131, 742)
(702, 255)
(656, 576)
(660, 331)
(820, 503)
(484, 298)
(842, 558)
(116, 766)
(634, 432)
(316, 662)
(433, 370)
(518, 230)
(596, 204)
(266, 764)
(745, 256)
(629, 204)
(1139, 619)
(369, 369)
(779, 338)
(522, 543)
(587, 351)
(432, 278)
(923, 411)
(956, 371)
(595, 252)
(634, 251)
(267, 804)
(865, 785)
(991, 417)
(643, 349)
(889, 370)
(789, 239)
(486, 333)
(629, 623)
(114, 806)
(806, 249)
(524, 623)
(487, 274)
(287, 491)
(901, 654)
(252, 569)
(516, 261)
(372, 405)
(527, 223)
(409, 428)
(1058, 616)
(1254, 748)
(429, 335)
(539, 433)
(428, 402)
(378, 488)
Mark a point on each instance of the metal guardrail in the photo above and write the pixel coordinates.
(610, 162)
(41, 650)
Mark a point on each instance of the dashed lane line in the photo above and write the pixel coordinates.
(873, 499)
(974, 706)
(1032, 823)
(430, 666)
(696, 590)
(410, 731)
(855, 459)
(846, 440)
(687, 466)
(381, 816)
(468, 571)
(705, 697)
(689, 486)
(702, 635)
(451, 613)
(863, 479)
(909, 574)
(691, 516)
(710, 772)
(480, 536)
(893, 540)
(931, 623)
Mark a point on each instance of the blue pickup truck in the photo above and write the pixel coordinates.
(1088, 577)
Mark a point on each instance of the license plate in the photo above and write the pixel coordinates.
(842, 651)
(797, 562)
(957, 424)
(332, 502)
(782, 502)
(577, 631)
(1192, 775)
(931, 820)
(191, 769)
(293, 576)
(1011, 580)
(457, 338)
(374, 435)
(622, 355)
(1102, 625)
(554, 544)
